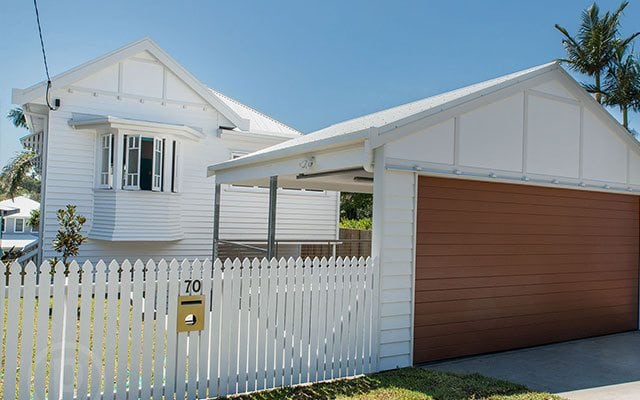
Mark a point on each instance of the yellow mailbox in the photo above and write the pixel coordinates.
(190, 314)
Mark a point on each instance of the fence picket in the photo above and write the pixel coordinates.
(57, 330)
(254, 326)
(267, 323)
(271, 271)
(70, 330)
(307, 318)
(244, 335)
(97, 355)
(26, 347)
(215, 327)
(172, 336)
(318, 311)
(161, 317)
(332, 295)
(281, 313)
(194, 338)
(234, 323)
(136, 329)
(13, 317)
(204, 337)
(42, 330)
(296, 332)
(226, 326)
(84, 334)
(148, 325)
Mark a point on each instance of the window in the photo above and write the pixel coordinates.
(106, 165)
(18, 225)
(131, 174)
(4, 224)
(144, 158)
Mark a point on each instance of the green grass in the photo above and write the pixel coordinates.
(408, 384)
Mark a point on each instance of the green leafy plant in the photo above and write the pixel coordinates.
(364, 224)
(17, 118)
(69, 236)
(34, 218)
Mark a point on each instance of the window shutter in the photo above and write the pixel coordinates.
(156, 184)
(132, 162)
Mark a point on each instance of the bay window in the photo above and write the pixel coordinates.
(148, 162)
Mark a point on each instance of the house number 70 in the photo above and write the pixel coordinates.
(193, 285)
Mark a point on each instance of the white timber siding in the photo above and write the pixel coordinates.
(300, 215)
(394, 238)
(145, 225)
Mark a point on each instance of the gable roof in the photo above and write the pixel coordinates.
(23, 96)
(260, 123)
(358, 129)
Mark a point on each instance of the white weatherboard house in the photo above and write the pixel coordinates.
(16, 232)
(506, 214)
(128, 143)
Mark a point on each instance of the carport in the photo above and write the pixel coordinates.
(505, 213)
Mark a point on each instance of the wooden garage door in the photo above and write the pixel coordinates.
(502, 266)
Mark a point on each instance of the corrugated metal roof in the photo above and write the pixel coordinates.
(355, 129)
(260, 123)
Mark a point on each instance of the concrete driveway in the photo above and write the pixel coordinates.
(602, 368)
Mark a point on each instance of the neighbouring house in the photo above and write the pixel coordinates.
(16, 233)
(506, 213)
(127, 142)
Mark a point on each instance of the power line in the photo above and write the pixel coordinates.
(44, 55)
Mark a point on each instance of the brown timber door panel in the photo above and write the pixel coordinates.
(502, 266)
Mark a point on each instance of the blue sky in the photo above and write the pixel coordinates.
(306, 63)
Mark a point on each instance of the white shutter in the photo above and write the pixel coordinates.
(132, 162)
(158, 155)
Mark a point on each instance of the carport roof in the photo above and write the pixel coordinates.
(357, 129)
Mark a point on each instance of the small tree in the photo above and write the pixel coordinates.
(34, 219)
(69, 236)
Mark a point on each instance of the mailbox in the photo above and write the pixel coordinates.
(190, 314)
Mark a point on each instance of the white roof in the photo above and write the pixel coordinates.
(357, 129)
(23, 203)
(260, 123)
(19, 242)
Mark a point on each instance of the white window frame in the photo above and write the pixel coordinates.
(106, 177)
(131, 180)
(15, 225)
(157, 164)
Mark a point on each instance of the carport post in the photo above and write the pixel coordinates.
(271, 230)
(216, 222)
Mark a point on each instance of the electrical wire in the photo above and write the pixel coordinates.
(44, 56)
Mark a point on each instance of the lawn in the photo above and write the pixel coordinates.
(408, 384)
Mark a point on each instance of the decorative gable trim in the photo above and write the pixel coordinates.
(23, 96)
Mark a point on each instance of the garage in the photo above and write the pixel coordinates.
(503, 266)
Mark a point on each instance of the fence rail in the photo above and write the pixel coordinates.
(267, 323)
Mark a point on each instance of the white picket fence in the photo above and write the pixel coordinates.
(109, 331)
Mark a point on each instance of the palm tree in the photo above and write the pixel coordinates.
(17, 118)
(622, 82)
(16, 172)
(593, 48)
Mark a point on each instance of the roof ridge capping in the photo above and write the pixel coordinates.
(359, 128)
